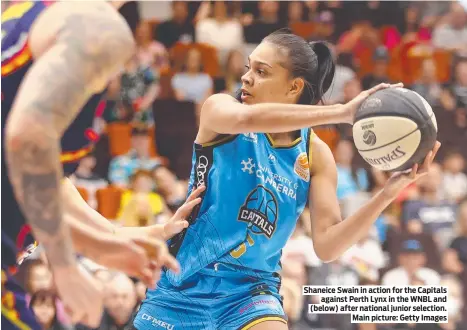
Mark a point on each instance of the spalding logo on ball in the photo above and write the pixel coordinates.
(394, 129)
(369, 137)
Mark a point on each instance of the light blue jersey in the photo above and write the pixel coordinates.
(255, 192)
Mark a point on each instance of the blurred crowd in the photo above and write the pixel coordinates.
(137, 174)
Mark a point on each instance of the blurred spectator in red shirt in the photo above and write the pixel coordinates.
(428, 85)
(380, 69)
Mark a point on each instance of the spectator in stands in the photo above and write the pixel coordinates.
(351, 179)
(366, 258)
(379, 73)
(177, 29)
(412, 260)
(295, 12)
(455, 304)
(428, 85)
(267, 22)
(139, 87)
(122, 167)
(343, 73)
(455, 95)
(119, 303)
(453, 34)
(139, 205)
(43, 305)
(454, 180)
(192, 84)
(300, 246)
(169, 187)
(455, 258)
(220, 30)
(151, 53)
(325, 28)
(85, 178)
(231, 82)
(39, 277)
(436, 214)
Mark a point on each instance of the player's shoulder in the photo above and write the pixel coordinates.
(321, 156)
(219, 97)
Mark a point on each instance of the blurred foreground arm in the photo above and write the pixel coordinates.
(77, 47)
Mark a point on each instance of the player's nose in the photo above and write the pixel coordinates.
(247, 79)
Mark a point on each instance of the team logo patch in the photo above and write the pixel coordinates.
(260, 211)
(301, 167)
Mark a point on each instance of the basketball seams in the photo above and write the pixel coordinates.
(401, 138)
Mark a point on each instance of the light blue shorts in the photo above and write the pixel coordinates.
(212, 300)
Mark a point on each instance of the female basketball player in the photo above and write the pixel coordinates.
(257, 185)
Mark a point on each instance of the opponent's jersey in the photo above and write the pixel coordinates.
(255, 192)
(77, 141)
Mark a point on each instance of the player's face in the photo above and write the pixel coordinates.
(267, 79)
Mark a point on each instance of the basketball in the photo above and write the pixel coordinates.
(394, 129)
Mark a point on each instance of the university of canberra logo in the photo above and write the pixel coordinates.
(260, 211)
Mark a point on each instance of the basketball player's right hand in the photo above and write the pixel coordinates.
(80, 293)
(141, 257)
(351, 107)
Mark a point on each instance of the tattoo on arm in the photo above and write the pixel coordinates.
(93, 41)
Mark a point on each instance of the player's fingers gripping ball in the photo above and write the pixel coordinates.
(394, 129)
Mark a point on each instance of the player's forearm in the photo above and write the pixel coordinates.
(35, 174)
(338, 238)
(76, 207)
(278, 118)
(226, 116)
(86, 239)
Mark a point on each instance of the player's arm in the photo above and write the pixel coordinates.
(223, 114)
(77, 47)
(77, 208)
(331, 235)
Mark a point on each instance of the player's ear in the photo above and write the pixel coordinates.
(296, 87)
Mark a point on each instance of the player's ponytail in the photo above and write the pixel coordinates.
(311, 61)
(325, 72)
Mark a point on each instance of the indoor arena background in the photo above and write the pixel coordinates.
(190, 50)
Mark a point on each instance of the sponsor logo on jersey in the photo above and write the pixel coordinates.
(272, 159)
(279, 183)
(157, 323)
(201, 169)
(301, 167)
(253, 137)
(260, 211)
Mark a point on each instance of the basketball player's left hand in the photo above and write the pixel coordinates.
(178, 222)
(400, 180)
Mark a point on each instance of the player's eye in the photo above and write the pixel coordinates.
(260, 72)
(247, 67)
